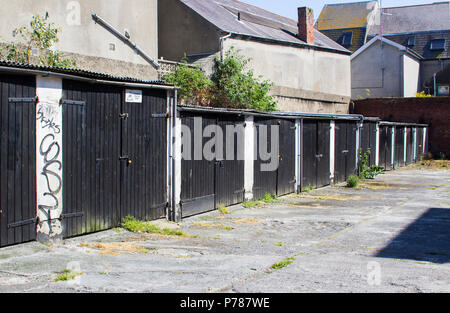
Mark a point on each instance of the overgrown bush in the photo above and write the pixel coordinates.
(353, 181)
(193, 82)
(40, 35)
(366, 171)
(231, 85)
(237, 87)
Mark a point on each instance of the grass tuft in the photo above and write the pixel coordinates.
(268, 198)
(67, 275)
(132, 224)
(224, 210)
(251, 204)
(282, 264)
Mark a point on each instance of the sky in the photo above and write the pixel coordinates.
(288, 8)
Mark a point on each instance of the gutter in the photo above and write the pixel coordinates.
(283, 115)
(125, 40)
(86, 79)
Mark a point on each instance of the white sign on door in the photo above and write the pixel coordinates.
(133, 96)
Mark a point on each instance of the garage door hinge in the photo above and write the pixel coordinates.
(22, 100)
(72, 215)
(162, 115)
(23, 223)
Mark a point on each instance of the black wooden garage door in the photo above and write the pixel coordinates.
(399, 147)
(420, 147)
(17, 159)
(280, 181)
(207, 184)
(316, 154)
(409, 146)
(345, 150)
(114, 160)
(368, 141)
(385, 153)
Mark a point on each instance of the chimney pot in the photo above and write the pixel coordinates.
(306, 25)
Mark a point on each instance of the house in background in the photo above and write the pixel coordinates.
(383, 68)
(117, 37)
(421, 29)
(349, 23)
(311, 72)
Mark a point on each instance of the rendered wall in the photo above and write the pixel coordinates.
(368, 79)
(305, 80)
(88, 42)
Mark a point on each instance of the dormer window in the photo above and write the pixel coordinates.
(347, 39)
(437, 44)
(411, 41)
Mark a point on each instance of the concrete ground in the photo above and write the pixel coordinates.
(390, 235)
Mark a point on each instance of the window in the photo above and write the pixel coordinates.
(437, 44)
(411, 41)
(347, 39)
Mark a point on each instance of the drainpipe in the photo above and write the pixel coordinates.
(222, 40)
(434, 82)
(125, 40)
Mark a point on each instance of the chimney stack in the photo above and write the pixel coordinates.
(306, 25)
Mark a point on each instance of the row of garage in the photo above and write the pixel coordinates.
(80, 151)
(315, 150)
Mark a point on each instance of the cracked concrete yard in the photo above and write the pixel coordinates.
(338, 240)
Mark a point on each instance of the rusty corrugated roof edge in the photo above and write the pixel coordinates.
(80, 73)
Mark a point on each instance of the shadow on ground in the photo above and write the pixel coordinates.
(427, 239)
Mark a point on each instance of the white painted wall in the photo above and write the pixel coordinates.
(249, 157)
(49, 156)
(332, 149)
(411, 72)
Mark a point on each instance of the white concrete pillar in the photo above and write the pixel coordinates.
(405, 139)
(377, 146)
(176, 168)
(332, 149)
(393, 146)
(297, 154)
(415, 144)
(358, 148)
(249, 162)
(425, 140)
(49, 157)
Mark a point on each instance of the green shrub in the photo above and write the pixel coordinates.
(368, 172)
(193, 83)
(41, 35)
(353, 181)
(232, 85)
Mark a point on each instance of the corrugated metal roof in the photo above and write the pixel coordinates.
(80, 73)
(254, 22)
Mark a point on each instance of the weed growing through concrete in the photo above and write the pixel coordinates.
(224, 210)
(251, 204)
(47, 245)
(283, 264)
(67, 275)
(353, 181)
(268, 198)
(132, 224)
